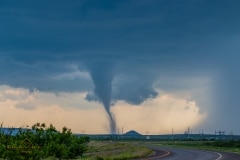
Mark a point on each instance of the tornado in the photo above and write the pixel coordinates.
(102, 77)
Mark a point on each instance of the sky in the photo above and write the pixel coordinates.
(104, 66)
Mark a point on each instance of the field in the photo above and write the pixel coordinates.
(109, 150)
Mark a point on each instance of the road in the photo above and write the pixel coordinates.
(189, 154)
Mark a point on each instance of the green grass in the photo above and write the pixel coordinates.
(108, 150)
(51, 158)
(203, 145)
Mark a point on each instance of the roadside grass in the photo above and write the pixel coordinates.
(203, 145)
(108, 150)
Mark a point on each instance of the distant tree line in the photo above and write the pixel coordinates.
(224, 143)
(41, 142)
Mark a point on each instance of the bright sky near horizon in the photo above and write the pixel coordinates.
(97, 66)
(158, 115)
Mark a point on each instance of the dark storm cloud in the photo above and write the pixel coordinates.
(124, 45)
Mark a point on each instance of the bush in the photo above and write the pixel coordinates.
(41, 142)
(224, 143)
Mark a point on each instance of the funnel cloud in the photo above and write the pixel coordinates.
(102, 77)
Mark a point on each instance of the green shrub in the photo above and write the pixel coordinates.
(41, 142)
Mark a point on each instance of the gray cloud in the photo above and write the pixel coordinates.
(133, 89)
(125, 46)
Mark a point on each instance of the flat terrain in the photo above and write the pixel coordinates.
(115, 150)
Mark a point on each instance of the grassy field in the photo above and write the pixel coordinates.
(108, 150)
(203, 145)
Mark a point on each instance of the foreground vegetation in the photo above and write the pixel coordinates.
(41, 142)
(217, 145)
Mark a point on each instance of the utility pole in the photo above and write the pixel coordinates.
(118, 134)
(122, 133)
